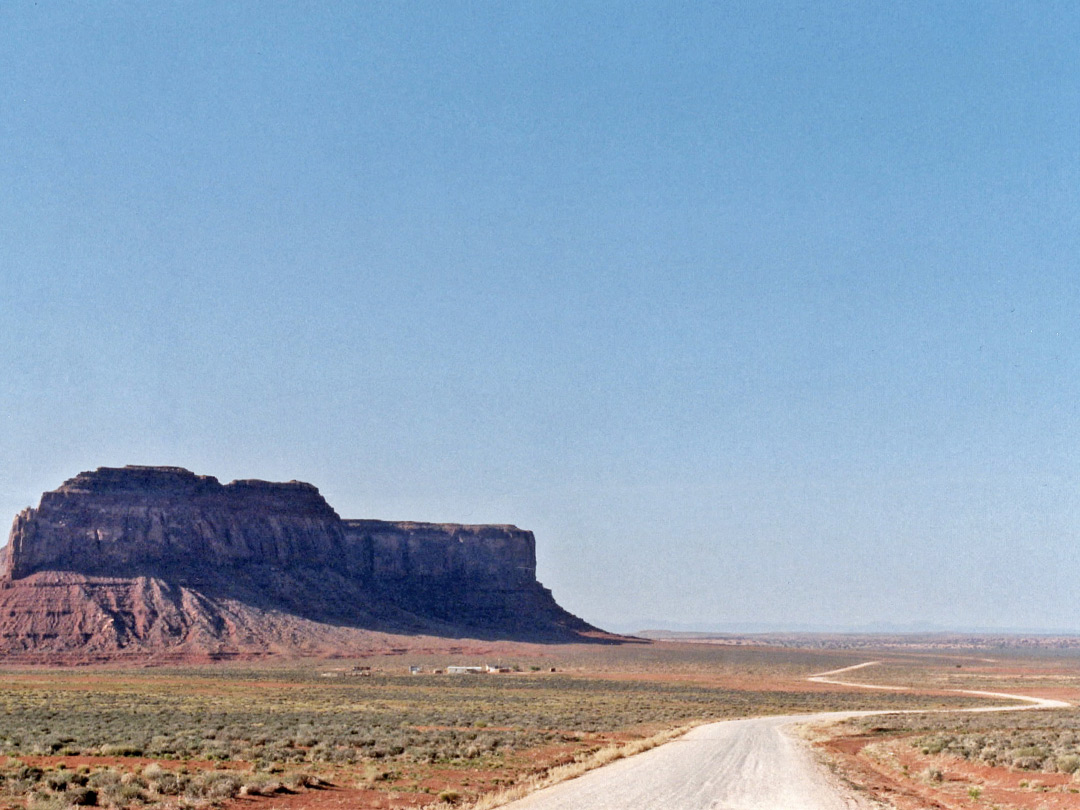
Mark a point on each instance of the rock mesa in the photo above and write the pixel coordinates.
(161, 561)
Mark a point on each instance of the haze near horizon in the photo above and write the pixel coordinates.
(759, 314)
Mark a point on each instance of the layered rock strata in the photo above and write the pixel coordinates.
(157, 558)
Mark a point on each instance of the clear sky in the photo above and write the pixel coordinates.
(753, 312)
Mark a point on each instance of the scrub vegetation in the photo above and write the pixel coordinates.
(206, 736)
(1043, 741)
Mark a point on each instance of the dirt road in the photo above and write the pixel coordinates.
(1024, 701)
(737, 764)
(751, 764)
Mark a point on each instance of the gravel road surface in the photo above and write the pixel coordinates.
(737, 764)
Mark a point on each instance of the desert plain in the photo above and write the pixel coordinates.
(389, 731)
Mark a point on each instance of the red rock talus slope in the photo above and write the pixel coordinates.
(160, 561)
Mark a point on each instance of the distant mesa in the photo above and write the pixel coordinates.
(159, 561)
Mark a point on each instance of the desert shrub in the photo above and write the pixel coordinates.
(262, 784)
(121, 750)
(59, 780)
(298, 780)
(28, 773)
(104, 779)
(82, 797)
(218, 785)
(1069, 763)
(46, 801)
(129, 793)
(17, 787)
(109, 789)
(934, 745)
(164, 782)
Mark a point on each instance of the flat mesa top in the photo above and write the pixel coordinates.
(420, 526)
(135, 476)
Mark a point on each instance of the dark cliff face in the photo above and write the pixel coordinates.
(280, 547)
(497, 556)
(130, 519)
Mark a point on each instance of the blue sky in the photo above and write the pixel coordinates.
(754, 312)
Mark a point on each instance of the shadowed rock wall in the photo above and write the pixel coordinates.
(500, 556)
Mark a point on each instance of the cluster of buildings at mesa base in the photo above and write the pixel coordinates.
(414, 669)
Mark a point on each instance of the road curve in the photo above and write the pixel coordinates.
(752, 764)
(1028, 702)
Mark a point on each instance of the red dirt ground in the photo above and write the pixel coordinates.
(884, 777)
